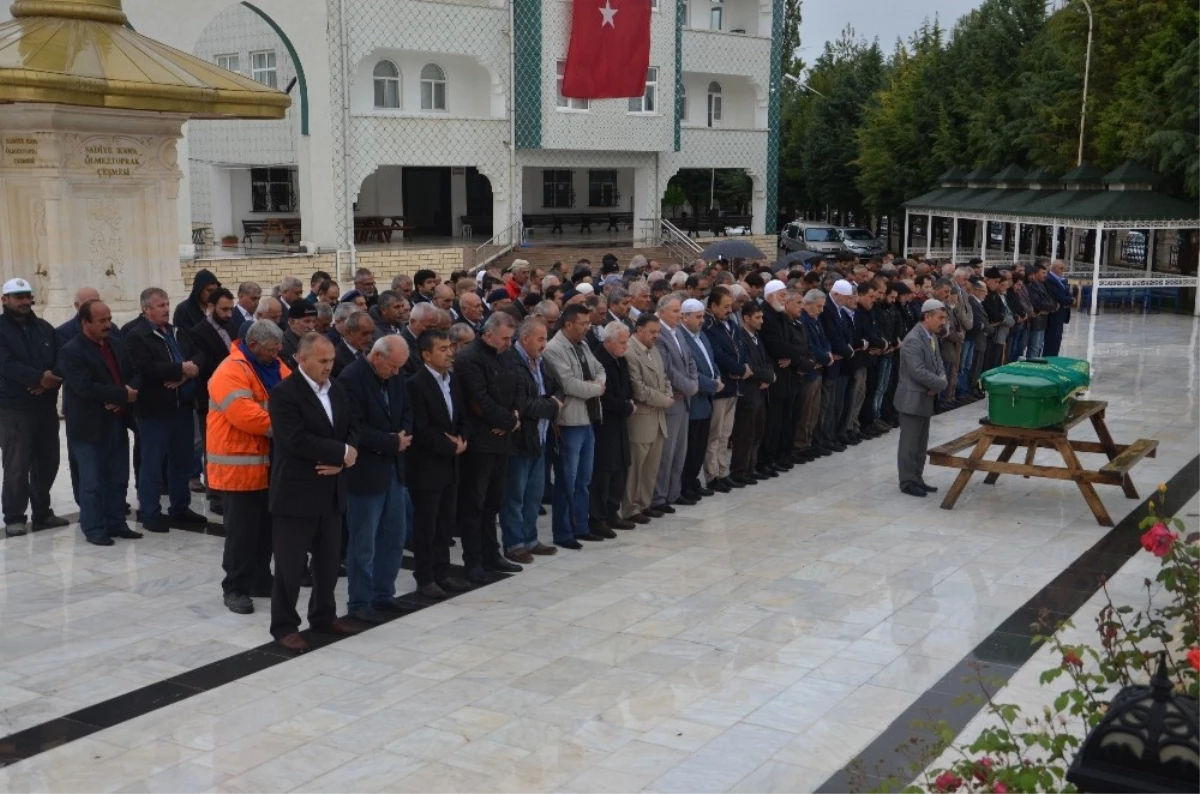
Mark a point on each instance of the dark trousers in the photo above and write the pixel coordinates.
(482, 481)
(608, 488)
(433, 526)
(73, 468)
(167, 439)
(29, 457)
(866, 413)
(292, 537)
(748, 426)
(910, 454)
(778, 416)
(247, 559)
(833, 408)
(821, 432)
(103, 480)
(697, 448)
(1054, 332)
(889, 408)
(983, 351)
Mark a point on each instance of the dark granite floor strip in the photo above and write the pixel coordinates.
(54, 733)
(889, 762)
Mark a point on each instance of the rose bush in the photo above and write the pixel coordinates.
(1031, 752)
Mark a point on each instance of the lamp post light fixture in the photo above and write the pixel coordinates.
(1146, 742)
(1087, 64)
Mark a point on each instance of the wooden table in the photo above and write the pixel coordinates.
(1121, 457)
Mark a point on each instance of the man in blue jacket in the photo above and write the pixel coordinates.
(833, 388)
(722, 331)
(1060, 291)
(28, 411)
(700, 409)
(807, 447)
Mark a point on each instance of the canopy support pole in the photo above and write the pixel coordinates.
(1096, 270)
(929, 236)
(904, 233)
(1016, 242)
(954, 240)
(1054, 242)
(1150, 254)
(983, 239)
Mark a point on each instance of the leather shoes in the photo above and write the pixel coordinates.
(478, 576)
(597, 527)
(103, 540)
(604, 532)
(620, 523)
(293, 642)
(157, 524)
(640, 518)
(542, 550)
(686, 501)
(502, 566)
(239, 603)
(369, 615)
(431, 590)
(574, 545)
(452, 584)
(521, 556)
(706, 491)
(721, 486)
(663, 508)
(188, 518)
(912, 489)
(654, 512)
(126, 533)
(736, 482)
(50, 522)
(393, 605)
(927, 488)
(589, 537)
(343, 628)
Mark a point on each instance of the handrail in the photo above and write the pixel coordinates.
(674, 233)
(500, 244)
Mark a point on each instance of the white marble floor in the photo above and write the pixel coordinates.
(755, 642)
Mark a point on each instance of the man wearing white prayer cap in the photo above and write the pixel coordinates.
(700, 410)
(922, 378)
(681, 372)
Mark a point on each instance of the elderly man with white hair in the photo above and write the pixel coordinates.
(700, 411)
(612, 451)
(375, 502)
(681, 373)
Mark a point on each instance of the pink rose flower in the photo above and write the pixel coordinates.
(1193, 658)
(1158, 540)
(999, 788)
(1072, 658)
(983, 768)
(946, 782)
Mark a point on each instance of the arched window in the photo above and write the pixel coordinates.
(433, 87)
(387, 85)
(714, 104)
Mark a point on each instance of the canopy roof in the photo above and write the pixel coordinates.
(1084, 195)
(80, 52)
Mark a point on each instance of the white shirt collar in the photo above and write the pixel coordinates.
(318, 390)
(439, 378)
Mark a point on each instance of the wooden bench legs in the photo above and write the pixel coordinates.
(964, 476)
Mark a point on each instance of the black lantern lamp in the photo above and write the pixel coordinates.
(1148, 741)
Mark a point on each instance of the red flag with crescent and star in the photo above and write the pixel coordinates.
(610, 49)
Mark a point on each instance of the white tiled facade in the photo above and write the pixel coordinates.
(351, 146)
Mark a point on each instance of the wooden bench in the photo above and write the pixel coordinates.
(556, 220)
(251, 228)
(288, 229)
(1121, 457)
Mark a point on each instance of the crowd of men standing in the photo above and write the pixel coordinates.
(334, 430)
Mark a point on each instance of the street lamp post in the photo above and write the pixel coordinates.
(1087, 63)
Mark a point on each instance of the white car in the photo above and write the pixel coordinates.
(737, 231)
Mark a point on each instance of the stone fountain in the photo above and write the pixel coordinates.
(90, 114)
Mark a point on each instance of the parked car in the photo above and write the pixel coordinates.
(735, 231)
(819, 237)
(861, 242)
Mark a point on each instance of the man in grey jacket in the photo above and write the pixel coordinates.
(582, 378)
(681, 373)
(921, 378)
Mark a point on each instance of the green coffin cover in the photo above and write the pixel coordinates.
(1057, 378)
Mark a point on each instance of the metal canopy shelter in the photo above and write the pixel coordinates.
(1082, 200)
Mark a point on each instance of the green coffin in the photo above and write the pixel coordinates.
(1034, 393)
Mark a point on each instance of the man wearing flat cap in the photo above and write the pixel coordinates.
(921, 379)
(301, 317)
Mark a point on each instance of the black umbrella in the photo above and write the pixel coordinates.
(731, 249)
(803, 257)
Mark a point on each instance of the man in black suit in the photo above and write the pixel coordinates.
(212, 336)
(65, 333)
(315, 438)
(438, 441)
(491, 418)
(99, 376)
(750, 414)
(357, 334)
(375, 505)
(612, 454)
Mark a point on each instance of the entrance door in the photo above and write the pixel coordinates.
(427, 200)
(479, 202)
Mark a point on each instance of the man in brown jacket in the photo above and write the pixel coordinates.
(648, 423)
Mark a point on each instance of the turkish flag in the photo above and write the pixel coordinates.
(610, 49)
